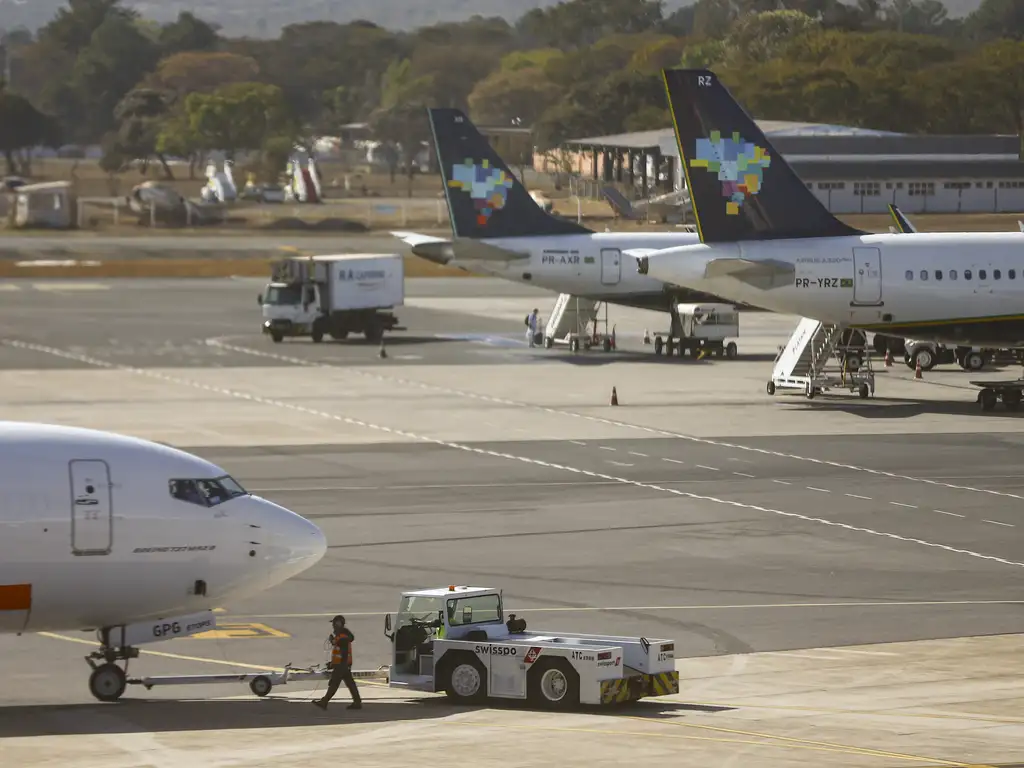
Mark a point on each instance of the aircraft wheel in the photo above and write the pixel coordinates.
(607, 345)
(987, 398)
(853, 363)
(1011, 399)
(771, 387)
(658, 344)
(863, 391)
(809, 391)
(260, 686)
(107, 682)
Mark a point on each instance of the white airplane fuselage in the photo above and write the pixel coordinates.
(91, 537)
(965, 288)
(592, 265)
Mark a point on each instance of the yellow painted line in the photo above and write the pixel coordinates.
(788, 739)
(237, 632)
(219, 610)
(860, 712)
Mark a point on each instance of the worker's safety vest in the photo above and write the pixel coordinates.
(336, 657)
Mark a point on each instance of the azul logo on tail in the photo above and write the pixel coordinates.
(487, 186)
(739, 165)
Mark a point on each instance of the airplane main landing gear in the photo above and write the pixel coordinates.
(108, 681)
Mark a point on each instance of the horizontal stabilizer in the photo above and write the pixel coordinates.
(639, 253)
(478, 250)
(434, 249)
(759, 274)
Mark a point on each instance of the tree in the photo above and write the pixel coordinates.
(400, 120)
(454, 70)
(762, 36)
(238, 116)
(997, 18)
(22, 126)
(187, 34)
(140, 116)
(506, 95)
(201, 72)
(579, 23)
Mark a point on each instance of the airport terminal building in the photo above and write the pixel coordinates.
(851, 170)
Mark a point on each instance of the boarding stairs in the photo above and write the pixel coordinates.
(815, 361)
(574, 321)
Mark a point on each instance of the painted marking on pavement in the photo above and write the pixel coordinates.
(901, 504)
(600, 419)
(236, 394)
(819, 490)
(858, 496)
(238, 632)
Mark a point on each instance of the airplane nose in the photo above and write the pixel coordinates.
(292, 544)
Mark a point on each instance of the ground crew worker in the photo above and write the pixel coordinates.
(531, 328)
(341, 665)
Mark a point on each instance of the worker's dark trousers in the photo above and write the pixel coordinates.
(342, 674)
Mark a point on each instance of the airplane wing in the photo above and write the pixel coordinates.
(441, 251)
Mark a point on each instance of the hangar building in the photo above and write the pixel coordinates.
(851, 170)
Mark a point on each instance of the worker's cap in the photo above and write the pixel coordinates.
(338, 618)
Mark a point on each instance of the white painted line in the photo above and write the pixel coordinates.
(9, 287)
(782, 482)
(951, 514)
(853, 650)
(637, 453)
(219, 342)
(70, 287)
(577, 442)
(819, 490)
(620, 464)
(996, 522)
(901, 504)
(713, 469)
(742, 474)
(800, 655)
(605, 448)
(673, 461)
(286, 406)
(856, 496)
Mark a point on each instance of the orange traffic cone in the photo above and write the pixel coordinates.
(917, 371)
(615, 397)
(888, 358)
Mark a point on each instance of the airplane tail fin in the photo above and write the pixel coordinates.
(740, 187)
(484, 198)
(903, 224)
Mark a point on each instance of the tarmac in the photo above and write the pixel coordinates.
(843, 577)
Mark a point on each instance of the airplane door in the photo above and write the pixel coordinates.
(867, 276)
(611, 266)
(92, 531)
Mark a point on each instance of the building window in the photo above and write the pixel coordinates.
(910, 275)
(988, 185)
(921, 188)
(867, 188)
(952, 274)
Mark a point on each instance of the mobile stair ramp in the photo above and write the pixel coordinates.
(813, 360)
(571, 321)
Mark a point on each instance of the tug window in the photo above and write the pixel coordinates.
(206, 493)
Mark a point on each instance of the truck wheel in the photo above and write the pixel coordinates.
(466, 680)
(339, 335)
(973, 361)
(554, 684)
(276, 336)
(925, 358)
(731, 351)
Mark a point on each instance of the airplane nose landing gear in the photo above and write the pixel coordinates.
(108, 681)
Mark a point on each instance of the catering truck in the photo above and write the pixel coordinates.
(316, 296)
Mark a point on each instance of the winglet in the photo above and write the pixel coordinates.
(902, 222)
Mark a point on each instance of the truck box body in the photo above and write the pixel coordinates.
(362, 281)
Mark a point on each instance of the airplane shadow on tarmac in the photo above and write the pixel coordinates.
(165, 716)
(895, 407)
(599, 357)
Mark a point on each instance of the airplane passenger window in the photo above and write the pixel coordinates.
(924, 274)
(996, 273)
(981, 274)
(1012, 274)
(952, 274)
(938, 274)
(910, 275)
(967, 274)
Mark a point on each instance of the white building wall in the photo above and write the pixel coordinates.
(912, 196)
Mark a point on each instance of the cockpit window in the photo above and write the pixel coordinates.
(204, 492)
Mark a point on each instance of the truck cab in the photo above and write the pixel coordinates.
(289, 309)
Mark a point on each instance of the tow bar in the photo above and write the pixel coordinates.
(261, 683)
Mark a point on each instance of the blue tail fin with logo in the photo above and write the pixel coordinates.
(740, 187)
(484, 198)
